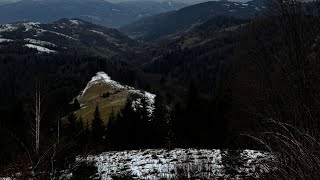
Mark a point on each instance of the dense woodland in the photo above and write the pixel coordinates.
(251, 86)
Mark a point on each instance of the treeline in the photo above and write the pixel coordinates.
(131, 128)
(196, 122)
(61, 77)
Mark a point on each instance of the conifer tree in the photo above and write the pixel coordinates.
(128, 127)
(160, 121)
(144, 110)
(76, 104)
(80, 124)
(87, 134)
(193, 111)
(142, 125)
(177, 121)
(82, 133)
(72, 127)
(97, 127)
(110, 130)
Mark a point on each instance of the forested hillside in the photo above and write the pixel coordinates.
(97, 11)
(233, 94)
(162, 25)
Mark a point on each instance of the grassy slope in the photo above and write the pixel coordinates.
(93, 97)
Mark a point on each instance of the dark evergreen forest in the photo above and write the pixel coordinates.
(226, 84)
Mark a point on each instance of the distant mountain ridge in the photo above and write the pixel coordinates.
(157, 26)
(65, 35)
(202, 54)
(95, 11)
(151, 7)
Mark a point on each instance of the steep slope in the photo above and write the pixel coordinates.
(64, 35)
(96, 11)
(110, 96)
(151, 28)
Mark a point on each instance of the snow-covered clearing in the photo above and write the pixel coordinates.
(7, 28)
(75, 22)
(40, 43)
(156, 164)
(5, 40)
(12, 27)
(5, 178)
(227, 5)
(30, 25)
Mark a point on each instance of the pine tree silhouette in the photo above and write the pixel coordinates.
(97, 127)
(160, 122)
(72, 126)
(110, 131)
(76, 104)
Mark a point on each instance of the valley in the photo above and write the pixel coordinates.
(162, 25)
(96, 11)
(92, 89)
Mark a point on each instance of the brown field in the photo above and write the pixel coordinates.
(94, 96)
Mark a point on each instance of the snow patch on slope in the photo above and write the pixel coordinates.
(8, 28)
(40, 48)
(75, 22)
(12, 27)
(102, 76)
(227, 5)
(150, 98)
(98, 32)
(30, 25)
(5, 40)
(40, 43)
(5, 178)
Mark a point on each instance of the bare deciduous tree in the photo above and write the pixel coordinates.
(38, 113)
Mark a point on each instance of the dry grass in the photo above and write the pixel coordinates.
(95, 92)
(297, 151)
(93, 97)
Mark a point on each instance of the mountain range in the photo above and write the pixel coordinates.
(65, 35)
(161, 25)
(96, 11)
